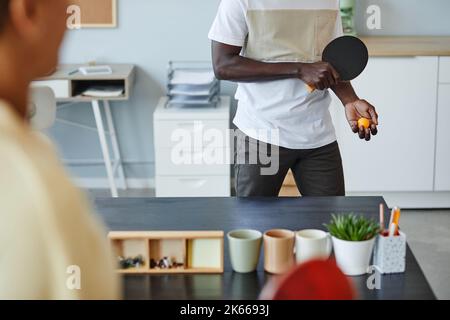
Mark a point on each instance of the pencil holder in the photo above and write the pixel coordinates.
(390, 254)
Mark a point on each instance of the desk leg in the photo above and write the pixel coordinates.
(105, 149)
(115, 143)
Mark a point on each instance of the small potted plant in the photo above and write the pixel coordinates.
(353, 242)
(347, 14)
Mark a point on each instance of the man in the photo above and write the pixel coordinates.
(51, 247)
(273, 49)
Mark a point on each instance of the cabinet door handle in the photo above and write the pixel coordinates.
(193, 183)
(189, 125)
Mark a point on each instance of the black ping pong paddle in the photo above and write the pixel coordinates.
(348, 55)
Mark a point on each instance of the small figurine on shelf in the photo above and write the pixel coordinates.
(124, 263)
(161, 264)
(165, 263)
(138, 261)
(128, 263)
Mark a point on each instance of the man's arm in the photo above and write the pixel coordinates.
(355, 109)
(230, 65)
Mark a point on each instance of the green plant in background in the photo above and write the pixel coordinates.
(351, 227)
(347, 14)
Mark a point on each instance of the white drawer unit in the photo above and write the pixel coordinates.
(444, 70)
(205, 133)
(210, 161)
(192, 150)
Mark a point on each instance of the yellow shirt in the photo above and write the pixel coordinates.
(51, 246)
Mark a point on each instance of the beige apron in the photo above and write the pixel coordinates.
(289, 35)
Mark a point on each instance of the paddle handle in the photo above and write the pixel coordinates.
(310, 89)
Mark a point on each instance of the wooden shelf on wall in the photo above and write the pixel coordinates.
(199, 252)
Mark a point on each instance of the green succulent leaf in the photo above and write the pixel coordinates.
(350, 227)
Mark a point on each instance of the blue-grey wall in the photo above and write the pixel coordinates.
(150, 33)
(407, 17)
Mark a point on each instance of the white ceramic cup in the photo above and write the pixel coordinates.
(312, 245)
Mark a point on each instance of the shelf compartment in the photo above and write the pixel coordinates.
(200, 251)
(131, 248)
(174, 249)
(204, 254)
(80, 86)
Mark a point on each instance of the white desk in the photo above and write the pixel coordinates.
(68, 88)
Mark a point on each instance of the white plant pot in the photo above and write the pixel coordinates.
(352, 257)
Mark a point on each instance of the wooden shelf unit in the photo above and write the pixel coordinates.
(200, 252)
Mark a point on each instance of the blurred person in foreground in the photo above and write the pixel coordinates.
(313, 280)
(51, 246)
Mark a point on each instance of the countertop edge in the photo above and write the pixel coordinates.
(398, 46)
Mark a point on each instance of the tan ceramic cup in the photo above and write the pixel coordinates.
(279, 251)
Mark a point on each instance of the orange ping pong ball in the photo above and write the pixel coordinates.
(364, 122)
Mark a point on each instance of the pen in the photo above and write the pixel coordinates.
(391, 219)
(381, 218)
(392, 230)
(395, 222)
(73, 72)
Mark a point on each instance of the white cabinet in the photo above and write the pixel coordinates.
(401, 157)
(443, 140)
(442, 178)
(444, 70)
(192, 151)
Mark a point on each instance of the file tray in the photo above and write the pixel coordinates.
(192, 84)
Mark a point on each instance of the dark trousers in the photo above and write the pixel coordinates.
(317, 172)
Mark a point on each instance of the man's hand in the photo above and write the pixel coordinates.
(320, 75)
(362, 109)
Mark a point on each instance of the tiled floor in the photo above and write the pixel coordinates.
(428, 235)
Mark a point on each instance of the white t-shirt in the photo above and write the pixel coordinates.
(281, 31)
(51, 245)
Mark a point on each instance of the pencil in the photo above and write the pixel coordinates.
(382, 217)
